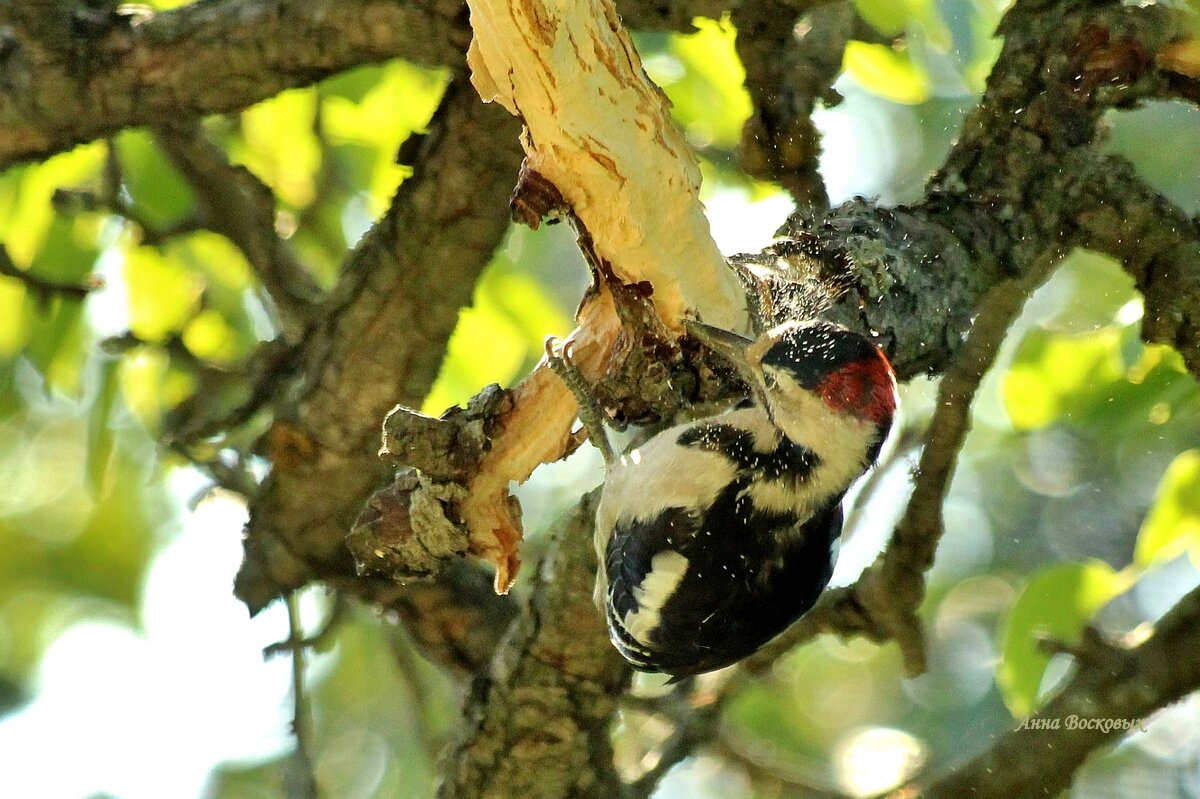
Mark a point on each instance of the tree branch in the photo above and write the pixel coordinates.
(1156, 242)
(218, 56)
(382, 342)
(594, 128)
(236, 204)
(537, 726)
(1040, 757)
(790, 67)
(199, 59)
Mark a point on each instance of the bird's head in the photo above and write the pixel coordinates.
(800, 371)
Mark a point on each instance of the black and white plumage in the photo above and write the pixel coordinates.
(715, 535)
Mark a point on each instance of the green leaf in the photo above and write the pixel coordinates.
(500, 336)
(1173, 524)
(1056, 375)
(26, 210)
(703, 77)
(353, 84)
(14, 321)
(889, 73)
(886, 16)
(486, 347)
(56, 345)
(1105, 380)
(280, 147)
(894, 17)
(1058, 602)
(160, 194)
(101, 436)
(163, 294)
(56, 342)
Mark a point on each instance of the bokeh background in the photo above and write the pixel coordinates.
(128, 670)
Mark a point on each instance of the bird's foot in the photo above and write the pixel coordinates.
(558, 357)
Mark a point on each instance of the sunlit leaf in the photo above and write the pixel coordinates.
(26, 210)
(1056, 375)
(487, 347)
(707, 91)
(14, 323)
(162, 293)
(1173, 525)
(501, 334)
(280, 147)
(886, 16)
(886, 72)
(209, 337)
(160, 195)
(1058, 602)
(1106, 379)
(526, 303)
(227, 279)
(151, 384)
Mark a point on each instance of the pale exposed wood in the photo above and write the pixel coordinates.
(600, 131)
(536, 430)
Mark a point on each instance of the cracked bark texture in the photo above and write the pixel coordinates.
(61, 84)
(537, 725)
(381, 342)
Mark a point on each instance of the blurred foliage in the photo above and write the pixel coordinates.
(1055, 605)
(1075, 499)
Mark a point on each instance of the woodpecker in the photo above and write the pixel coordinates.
(715, 535)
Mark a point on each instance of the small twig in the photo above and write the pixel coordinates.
(791, 61)
(1096, 706)
(236, 204)
(694, 725)
(908, 439)
(1092, 648)
(337, 614)
(117, 200)
(45, 290)
(299, 780)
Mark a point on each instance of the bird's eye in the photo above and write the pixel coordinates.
(769, 380)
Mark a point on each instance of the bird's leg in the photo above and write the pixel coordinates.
(590, 413)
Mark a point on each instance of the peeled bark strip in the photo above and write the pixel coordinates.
(600, 131)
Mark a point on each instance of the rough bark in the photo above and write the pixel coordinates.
(537, 725)
(382, 341)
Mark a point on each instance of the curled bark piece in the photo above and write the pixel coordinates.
(450, 446)
(410, 529)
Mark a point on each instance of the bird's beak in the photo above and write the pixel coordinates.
(729, 346)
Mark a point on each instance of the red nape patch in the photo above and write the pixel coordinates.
(864, 388)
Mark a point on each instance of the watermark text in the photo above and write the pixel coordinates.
(1082, 723)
